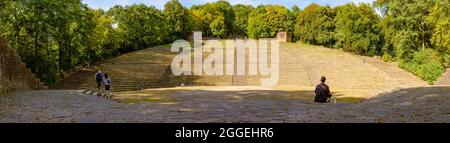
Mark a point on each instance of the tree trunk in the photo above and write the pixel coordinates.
(422, 36)
(60, 59)
(18, 41)
(36, 51)
(69, 59)
(423, 41)
(441, 41)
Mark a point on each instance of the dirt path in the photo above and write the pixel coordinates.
(426, 104)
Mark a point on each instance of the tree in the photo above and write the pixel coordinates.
(71, 29)
(296, 10)
(242, 13)
(357, 29)
(315, 25)
(405, 26)
(177, 17)
(218, 27)
(53, 37)
(141, 26)
(101, 28)
(439, 20)
(220, 12)
(267, 21)
(409, 28)
(49, 35)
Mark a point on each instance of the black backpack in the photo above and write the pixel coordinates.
(99, 77)
(322, 94)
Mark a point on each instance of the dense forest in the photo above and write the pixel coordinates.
(54, 37)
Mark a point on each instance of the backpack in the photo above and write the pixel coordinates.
(107, 82)
(322, 94)
(99, 77)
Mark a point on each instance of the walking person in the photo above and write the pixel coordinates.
(107, 83)
(99, 80)
(323, 94)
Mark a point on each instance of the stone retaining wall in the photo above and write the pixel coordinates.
(14, 75)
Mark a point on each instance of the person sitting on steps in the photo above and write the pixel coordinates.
(99, 80)
(107, 83)
(323, 94)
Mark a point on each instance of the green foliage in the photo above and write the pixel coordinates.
(53, 36)
(439, 19)
(49, 35)
(405, 44)
(242, 13)
(177, 17)
(357, 29)
(405, 26)
(213, 19)
(315, 25)
(387, 57)
(408, 26)
(142, 27)
(445, 59)
(267, 21)
(218, 27)
(425, 64)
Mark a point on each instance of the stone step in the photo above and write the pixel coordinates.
(445, 78)
(298, 66)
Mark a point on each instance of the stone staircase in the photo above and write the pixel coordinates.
(444, 79)
(300, 65)
(14, 74)
(344, 70)
(134, 71)
(292, 69)
(391, 69)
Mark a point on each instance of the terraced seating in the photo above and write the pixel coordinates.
(391, 69)
(346, 70)
(14, 74)
(444, 79)
(134, 71)
(300, 65)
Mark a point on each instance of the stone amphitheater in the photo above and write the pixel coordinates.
(300, 66)
(367, 90)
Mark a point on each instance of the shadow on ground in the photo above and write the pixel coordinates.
(182, 95)
(211, 105)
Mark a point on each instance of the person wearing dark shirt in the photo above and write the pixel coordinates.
(322, 91)
(99, 79)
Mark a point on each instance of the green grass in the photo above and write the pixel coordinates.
(307, 96)
(135, 97)
(166, 46)
(349, 100)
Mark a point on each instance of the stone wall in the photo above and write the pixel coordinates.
(14, 75)
(284, 37)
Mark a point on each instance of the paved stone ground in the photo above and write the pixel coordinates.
(425, 104)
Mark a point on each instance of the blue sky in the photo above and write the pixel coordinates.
(106, 4)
